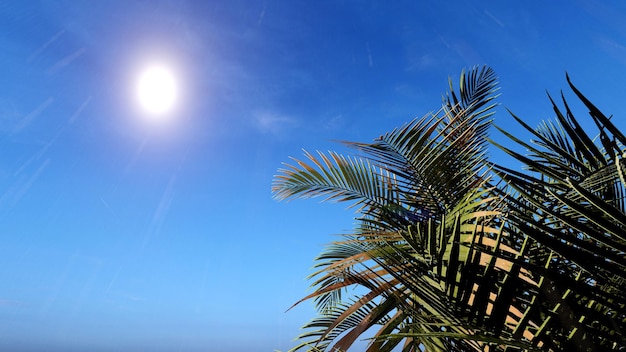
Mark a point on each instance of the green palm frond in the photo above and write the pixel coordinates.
(438, 157)
(337, 177)
(477, 88)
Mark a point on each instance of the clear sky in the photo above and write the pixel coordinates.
(119, 232)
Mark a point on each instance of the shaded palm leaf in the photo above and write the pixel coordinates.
(573, 205)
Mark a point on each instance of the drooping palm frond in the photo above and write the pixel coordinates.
(339, 178)
(431, 288)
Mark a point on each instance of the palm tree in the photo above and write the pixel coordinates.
(421, 192)
(446, 259)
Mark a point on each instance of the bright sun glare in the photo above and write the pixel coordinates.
(157, 90)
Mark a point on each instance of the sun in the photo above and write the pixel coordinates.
(157, 90)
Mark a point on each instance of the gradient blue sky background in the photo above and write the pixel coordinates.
(119, 234)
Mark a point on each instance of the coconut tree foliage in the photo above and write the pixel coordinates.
(446, 259)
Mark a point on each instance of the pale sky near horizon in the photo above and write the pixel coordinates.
(120, 233)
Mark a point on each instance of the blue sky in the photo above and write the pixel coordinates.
(122, 234)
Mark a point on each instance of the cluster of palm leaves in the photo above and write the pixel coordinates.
(451, 252)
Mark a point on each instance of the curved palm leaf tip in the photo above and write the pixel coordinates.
(573, 206)
(417, 175)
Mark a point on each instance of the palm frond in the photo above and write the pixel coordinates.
(572, 206)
